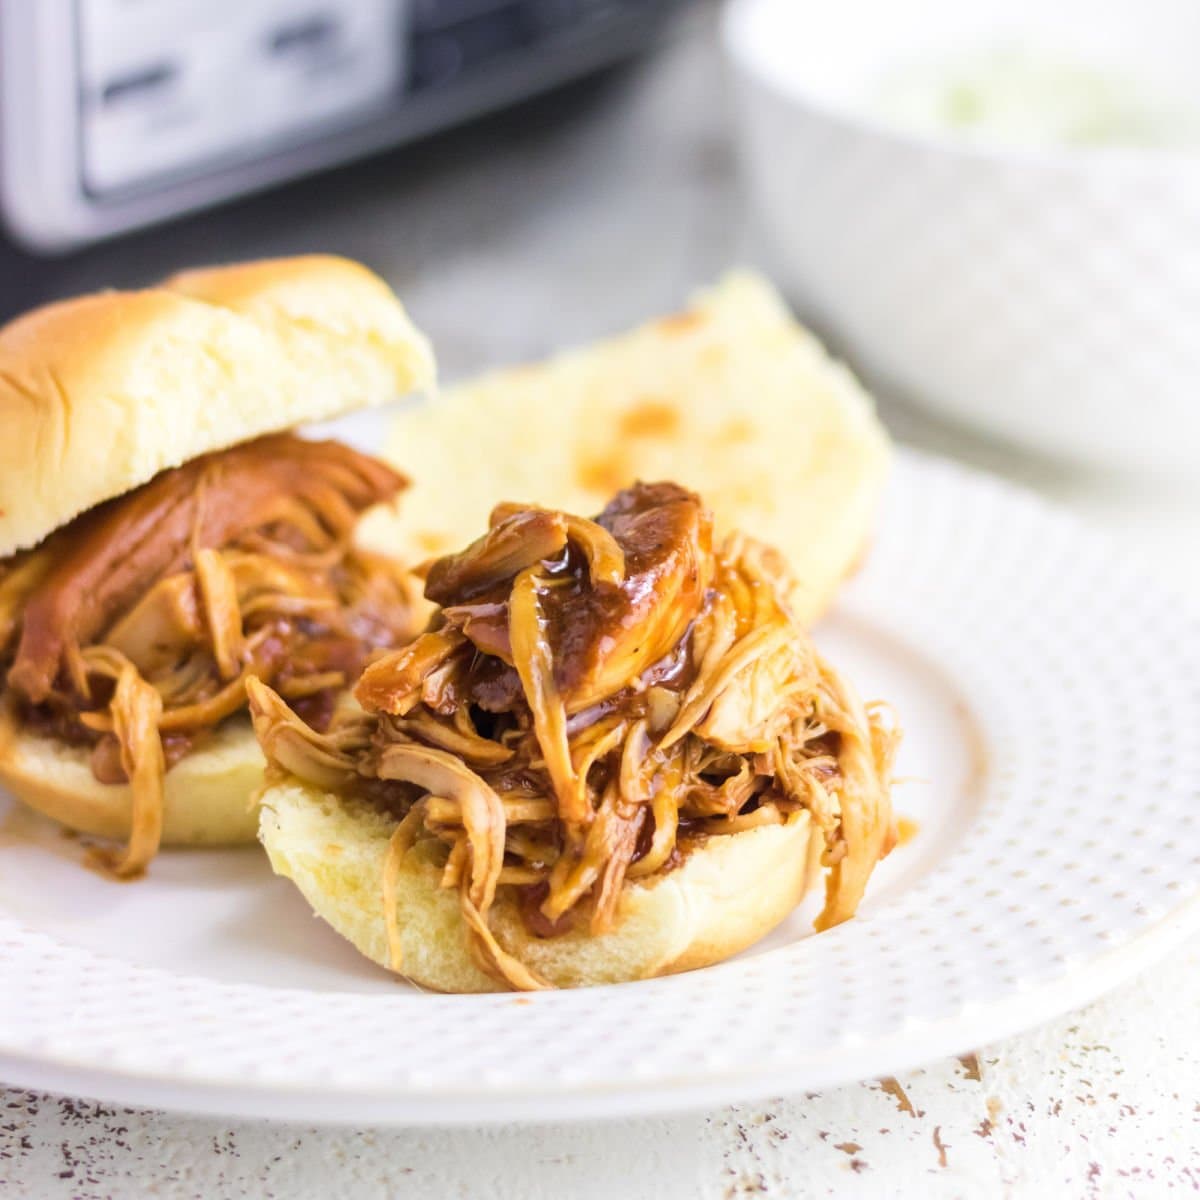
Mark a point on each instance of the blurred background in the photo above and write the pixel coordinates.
(991, 210)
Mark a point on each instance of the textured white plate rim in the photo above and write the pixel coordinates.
(67, 1058)
(904, 1051)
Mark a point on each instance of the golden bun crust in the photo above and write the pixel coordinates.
(726, 895)
(731, 398)
(209, 796)
(100, 393)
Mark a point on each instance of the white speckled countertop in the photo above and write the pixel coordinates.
(1105, 1102)
(506, 242)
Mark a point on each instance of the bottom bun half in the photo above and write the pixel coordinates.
(208, 796)
(728, 892)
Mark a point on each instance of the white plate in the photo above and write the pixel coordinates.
(1051, 696)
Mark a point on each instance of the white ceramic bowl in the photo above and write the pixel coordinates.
(1048, 296)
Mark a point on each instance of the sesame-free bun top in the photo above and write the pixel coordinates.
(730, 397)
(100, 393)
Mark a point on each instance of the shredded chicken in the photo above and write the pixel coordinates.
(592, 700)
(136, 629)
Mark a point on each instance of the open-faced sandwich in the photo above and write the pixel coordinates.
(614, 754)
(162, 542)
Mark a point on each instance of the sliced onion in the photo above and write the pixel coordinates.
(535, 666)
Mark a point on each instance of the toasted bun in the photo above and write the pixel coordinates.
(731, 398)
(208, 796)
(100, 393)
(726, 895)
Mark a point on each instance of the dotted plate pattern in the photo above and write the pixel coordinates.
(1081, 864)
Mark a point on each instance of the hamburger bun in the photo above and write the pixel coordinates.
(208, 796)
(731, 397)
(100, 393)
(726, 894)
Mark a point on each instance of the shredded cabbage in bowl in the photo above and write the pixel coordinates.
(1022, 96)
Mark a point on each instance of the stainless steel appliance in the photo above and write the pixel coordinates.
(115, 114)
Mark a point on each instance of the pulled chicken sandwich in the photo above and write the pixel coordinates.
(128, 632)
(613, 754)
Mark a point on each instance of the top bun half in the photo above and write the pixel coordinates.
(731, 398)
(99, 394)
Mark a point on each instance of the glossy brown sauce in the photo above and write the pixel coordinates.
(597, 631)
(114, 553)
(266, 497)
